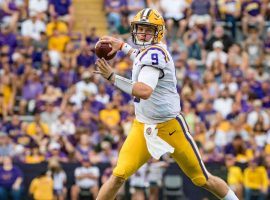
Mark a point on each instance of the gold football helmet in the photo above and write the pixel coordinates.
(150, 17)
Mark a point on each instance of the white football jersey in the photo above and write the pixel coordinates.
(164, 103)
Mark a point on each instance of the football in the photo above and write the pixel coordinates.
(102, 50)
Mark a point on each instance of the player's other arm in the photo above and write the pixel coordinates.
(147, 82)
(141, 90)
(144, 87)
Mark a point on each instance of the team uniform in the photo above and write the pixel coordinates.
(159, 126)
(162, 109)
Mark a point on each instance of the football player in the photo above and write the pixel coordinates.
(159, 126)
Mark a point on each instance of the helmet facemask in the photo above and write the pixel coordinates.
(136, 40)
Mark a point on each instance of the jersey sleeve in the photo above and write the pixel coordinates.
(152, 80)
(155, 56)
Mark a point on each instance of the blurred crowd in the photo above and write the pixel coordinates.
(54, 109)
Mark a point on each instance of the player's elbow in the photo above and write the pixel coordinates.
(145, 95)
(142, 91)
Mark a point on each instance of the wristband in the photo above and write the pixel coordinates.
(109, 78)
(126, 48)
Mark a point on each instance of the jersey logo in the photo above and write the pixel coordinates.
(172, 132)
(149, 131)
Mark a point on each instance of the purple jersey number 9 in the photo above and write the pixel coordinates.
(154, 57)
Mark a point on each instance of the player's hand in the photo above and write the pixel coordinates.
(104, 69)
(116, 43)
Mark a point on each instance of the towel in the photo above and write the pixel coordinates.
(155, 145)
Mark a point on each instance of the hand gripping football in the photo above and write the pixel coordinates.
(102, 50)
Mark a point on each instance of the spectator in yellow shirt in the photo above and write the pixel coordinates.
(58, 41)
(37, 127)
(3, 109)
(267, 165)
(110, 116)
(56, 45)
(255, 181)
(56, 24)
(235, 176)
(8, 89)
(34, 156)
(41, 187)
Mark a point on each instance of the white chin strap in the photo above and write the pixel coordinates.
(141, 43)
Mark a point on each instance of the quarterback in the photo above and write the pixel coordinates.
(159, 126)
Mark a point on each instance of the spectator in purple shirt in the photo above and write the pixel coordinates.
(252, 15)
(243, 96)
(8, 38)
(22, 139)
(30, 91)
(91, 37)
(64, 9)
(192, 72)
(255, 86)
(32, 88)
(266, 94)
(13, 125)
(47, 77)
(208, 115)
(86, 57)
(83, 149)
(201, 10)
(90, 104)
(237, 147)
(11, 178)
(87, 121)
(9, 13)
(107, 155)
(234, 68)
(66, 77)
